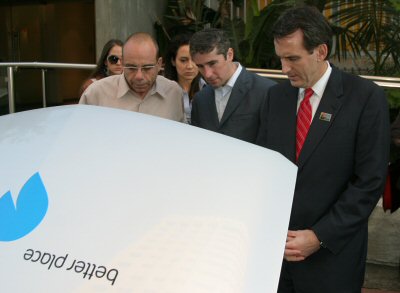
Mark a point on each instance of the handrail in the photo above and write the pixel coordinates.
(387, 82)
(37, 65)
(47, 65)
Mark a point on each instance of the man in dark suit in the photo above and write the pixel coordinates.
(230, 103)
(342, 156)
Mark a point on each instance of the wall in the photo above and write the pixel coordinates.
(119, 19)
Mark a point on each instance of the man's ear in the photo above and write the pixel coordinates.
(229, 54)
(159, 64)
(173, 62)
(322, 52)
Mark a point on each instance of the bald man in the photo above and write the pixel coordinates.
(139, 88)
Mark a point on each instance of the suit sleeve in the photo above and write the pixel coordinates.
(355, 204)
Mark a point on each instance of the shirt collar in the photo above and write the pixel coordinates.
(234, 77)
(158, 88)
(320, 85)
(123, 86)
(231, 82)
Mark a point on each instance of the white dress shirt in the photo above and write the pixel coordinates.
(223, 93)
(318, 88)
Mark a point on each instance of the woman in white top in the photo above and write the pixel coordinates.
(180, 67)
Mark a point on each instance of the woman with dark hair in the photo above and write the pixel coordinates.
(108, 64)
(180, 67)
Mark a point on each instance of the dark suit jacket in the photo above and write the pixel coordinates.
(241, 118)
(341, 174)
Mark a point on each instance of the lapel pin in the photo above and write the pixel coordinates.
(325, 117)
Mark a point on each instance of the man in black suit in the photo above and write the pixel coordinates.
(341, 165)
(230, 103)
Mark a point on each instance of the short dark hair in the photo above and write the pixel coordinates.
(316, 29)
(207, 40)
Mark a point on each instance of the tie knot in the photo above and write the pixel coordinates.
(308, 93)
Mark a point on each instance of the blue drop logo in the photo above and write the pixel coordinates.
(30, 209)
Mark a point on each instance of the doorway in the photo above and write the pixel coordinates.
(47, 31)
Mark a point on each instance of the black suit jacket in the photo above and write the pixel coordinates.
(341, 174)
(241, 118)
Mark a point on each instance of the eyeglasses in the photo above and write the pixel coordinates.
(145, 68)
(113, 59)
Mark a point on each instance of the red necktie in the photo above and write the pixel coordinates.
(304, 116)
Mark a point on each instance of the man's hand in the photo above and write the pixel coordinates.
(300, 244)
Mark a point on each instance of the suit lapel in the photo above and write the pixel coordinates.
(210, 104)
(238, 93)
(330, 104)
(288, 120)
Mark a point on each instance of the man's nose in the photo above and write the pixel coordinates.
(285, 66)
(139, 73)
(207, 72)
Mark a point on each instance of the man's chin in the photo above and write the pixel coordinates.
(296, 83)
(214, 84)
(141, 89)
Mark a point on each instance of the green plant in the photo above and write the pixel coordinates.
(184, 16)
(396, 4)
(258, 46)
(370, 28)
(393, 96)
(193, 15)
(377, 36)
